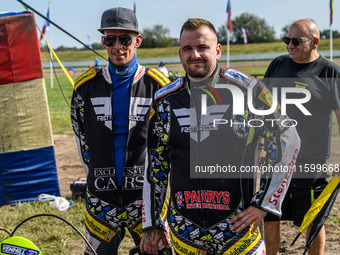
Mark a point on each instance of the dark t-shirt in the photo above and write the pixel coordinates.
(322, 78)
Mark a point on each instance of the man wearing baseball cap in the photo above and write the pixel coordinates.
(110, 115)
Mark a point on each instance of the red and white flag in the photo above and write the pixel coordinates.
(229, 25)
(331, 12)
(244, 35)
(46, 25)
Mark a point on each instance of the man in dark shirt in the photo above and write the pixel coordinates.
(303, 67)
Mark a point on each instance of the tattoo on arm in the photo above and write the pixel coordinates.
(151, 234)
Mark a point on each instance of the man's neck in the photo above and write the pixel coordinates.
(311, 59)
(197, 80)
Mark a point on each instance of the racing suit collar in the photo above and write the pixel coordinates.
(125, 70)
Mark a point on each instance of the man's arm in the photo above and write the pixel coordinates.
(270, 196)
(157, 166)
(337, 114)
(261, 153)
(283, 148)
(77, 120)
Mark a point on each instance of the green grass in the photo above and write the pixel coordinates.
(51, 235)
(173, 51)
(59, 100)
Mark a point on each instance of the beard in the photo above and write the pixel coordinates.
(197, 72)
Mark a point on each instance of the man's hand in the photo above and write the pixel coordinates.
(261, 157)
(150, 241)
(246, 218)
(261, 153)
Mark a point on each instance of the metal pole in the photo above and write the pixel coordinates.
(135, 11)
(331, 43)
(51, 55)
(51, 22)
(228, 45)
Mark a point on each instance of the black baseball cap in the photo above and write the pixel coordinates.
(119, 18)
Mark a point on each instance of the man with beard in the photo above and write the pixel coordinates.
(211, 214)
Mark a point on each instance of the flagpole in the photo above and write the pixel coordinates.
(331, 43)
(228, 48)
(51, 55)
(135, 11)
(229, 26)
(330, 30)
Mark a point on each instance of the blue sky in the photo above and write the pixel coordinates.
(82, 18)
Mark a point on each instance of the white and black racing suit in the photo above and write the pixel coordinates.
(110, 207)
(188, 147)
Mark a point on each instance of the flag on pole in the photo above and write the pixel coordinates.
(317, 214)
(46, 25)
(89, 42)
(229, 26)
(244, 35)
(331, 12)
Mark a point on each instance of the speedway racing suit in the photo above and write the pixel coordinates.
(110, 207)
(180, 138)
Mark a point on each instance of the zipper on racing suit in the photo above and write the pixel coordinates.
(120, 196)
(119, 189)
(197, 109)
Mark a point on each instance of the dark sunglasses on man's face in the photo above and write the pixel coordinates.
(125, 40)
(295, 41)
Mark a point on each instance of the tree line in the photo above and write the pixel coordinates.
(257, 31)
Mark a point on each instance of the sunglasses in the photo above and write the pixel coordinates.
(295, 41)
(125, 40)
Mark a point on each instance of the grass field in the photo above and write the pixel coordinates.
(59, 100)
(173, 51)
(53, 236)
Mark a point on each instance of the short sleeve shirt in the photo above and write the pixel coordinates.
(322, 79)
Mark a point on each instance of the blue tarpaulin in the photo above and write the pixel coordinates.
(27, 161)
(24, 175)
